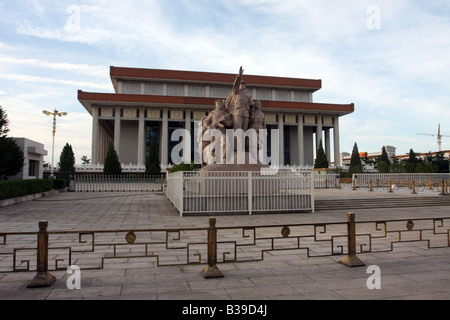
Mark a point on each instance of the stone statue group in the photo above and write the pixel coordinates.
(237, 114)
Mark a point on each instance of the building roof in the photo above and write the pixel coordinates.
(422, 154)
(117, 73)
(87, 99)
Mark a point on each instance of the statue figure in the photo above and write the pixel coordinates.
(257, 122)
(238, 111)
(221, 120)
(239, 103)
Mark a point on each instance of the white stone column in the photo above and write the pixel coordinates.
(337, 152)
(117, 122)
(95, 136)
(319, 135)
(281, 139)
(187, 120)
(141, 137)
(165, 138)
(327, 144)
(301, 141)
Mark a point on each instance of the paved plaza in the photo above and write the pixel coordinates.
(410, 272)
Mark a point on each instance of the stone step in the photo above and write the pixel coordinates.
(367, 203)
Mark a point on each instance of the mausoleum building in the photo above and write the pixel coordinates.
(150, 104)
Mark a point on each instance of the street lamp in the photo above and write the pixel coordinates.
(55, 113)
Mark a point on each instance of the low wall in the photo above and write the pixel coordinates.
(31, 197)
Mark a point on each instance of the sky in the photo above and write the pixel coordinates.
(390, 58)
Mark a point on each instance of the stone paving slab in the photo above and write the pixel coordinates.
(410, 272)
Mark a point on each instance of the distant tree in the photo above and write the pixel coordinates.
(439, 161)
(152, 165)
(321, 161)
(3, 123)
(11, 158)
(355, 161)
(11, 155)
(398, 167)
(426, 167)
(412, 162)
(85, 160)
(112, 165)
(182, 167)
(67, 160)
(384, 164)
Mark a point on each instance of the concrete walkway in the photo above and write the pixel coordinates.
(410, 272)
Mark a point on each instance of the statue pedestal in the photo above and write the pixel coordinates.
(245, 165)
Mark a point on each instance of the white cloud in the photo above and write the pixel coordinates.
(44, 80)
(396, 76)
(83, 69)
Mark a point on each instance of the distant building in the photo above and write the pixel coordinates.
(423, 155)
(150, 104)
(33, 153)
(390, 150)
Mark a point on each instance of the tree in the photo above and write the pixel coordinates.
(321, 159)
(11, 155)
(152, 165)
(182, 167)
(3, 123)
(112, 165)
(439, 162)
(355, 161)
(412, 162)
(67, 160)
(384, 163)
(85, 160)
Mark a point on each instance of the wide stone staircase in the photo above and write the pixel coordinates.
(380, 202)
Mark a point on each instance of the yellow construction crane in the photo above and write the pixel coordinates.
(439, 137)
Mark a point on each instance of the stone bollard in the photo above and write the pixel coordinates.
(390, 187)
(413, 187)
(42, 278)
(442, 188)
(211, 270)
(351, 260)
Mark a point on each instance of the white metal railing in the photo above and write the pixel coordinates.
(175, 185)
(241, 192)
(364, 180)
(98, 168)
(102, 183)
(323, 181)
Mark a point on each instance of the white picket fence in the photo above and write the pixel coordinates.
(102, 183)
(240, 192)
(363, 180)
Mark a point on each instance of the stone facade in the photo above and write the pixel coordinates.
(150, 104)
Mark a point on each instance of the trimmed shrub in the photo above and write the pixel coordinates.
(20, 188)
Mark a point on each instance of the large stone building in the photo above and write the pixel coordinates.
(149, 104)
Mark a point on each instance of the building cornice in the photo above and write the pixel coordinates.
(138, 74)
(87, 99)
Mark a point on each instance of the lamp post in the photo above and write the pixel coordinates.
(55, 113)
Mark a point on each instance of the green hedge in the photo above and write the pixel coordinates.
(20, 188)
